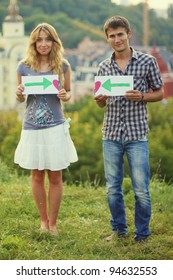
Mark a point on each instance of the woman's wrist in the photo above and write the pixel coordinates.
(20, 98)
(67, 97)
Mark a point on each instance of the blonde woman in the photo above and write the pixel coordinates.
(45, 144)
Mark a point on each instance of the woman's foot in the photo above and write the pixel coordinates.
(53, 230)
(44, 226)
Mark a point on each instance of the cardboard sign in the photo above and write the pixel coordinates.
(48, 84)
(113, 85)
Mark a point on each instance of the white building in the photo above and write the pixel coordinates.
(13, 44)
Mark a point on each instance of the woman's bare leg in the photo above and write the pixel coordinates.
(55, 195)
(39, 194)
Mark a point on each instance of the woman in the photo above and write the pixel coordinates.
(45, 143)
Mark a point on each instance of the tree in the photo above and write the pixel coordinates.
(170, 11)
(85, 131)
(93, 14)
(86, 125)
(8, 120)
(160, 139)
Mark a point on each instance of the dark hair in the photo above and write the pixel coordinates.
(115, 22)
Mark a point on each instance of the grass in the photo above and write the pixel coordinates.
(83, 224)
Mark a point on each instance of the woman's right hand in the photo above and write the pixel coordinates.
(19, 93)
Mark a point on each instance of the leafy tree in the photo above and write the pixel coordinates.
(93, 14)
(160, 139)
(10, 128)
(86, 133)
(9, 144)
(8, 120)
(86, 125)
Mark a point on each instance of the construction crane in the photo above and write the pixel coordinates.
(145, 24)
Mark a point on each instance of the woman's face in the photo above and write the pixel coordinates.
(44, 43)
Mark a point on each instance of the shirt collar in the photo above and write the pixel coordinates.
(134, 55)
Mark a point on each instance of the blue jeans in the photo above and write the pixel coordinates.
(138, 161)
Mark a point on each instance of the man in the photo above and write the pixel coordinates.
(125, 127)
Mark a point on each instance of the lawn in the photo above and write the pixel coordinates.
(83, 224)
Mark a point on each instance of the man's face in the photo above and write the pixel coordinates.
(118, 39)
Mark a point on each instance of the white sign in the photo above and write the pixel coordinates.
(42, 84)
(113, 85)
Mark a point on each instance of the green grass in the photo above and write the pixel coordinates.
(83, 224)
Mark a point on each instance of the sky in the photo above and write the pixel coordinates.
(153, 4)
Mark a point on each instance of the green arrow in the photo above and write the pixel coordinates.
(46, 83)
(107, 85)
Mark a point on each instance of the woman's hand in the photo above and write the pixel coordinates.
(64, 95)
(19, 93)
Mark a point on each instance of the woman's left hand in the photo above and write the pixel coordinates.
(63, 95)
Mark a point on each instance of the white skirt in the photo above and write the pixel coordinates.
(50, 148)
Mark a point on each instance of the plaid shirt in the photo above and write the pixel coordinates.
(125, 118)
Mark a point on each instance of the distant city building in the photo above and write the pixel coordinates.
(84, 61)
(12, 48)
(165, 69)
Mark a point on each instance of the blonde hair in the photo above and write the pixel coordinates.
(56, 60)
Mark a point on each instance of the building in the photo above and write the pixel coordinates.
(86, 57)
(13, 44)
(84, 61)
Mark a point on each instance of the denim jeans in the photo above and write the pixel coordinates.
(138, 161)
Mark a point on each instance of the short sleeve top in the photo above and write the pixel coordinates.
(124, 118)
(42, 111)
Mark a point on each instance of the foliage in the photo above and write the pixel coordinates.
(160, 139)
(83, 227)
(6, 174)
(65, 14)
(170, 11)
(8, 122)
(10, 128)
(86, 134)
(86, 125)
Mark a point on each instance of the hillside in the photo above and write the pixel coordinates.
(76, 19)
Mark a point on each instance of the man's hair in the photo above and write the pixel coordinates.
(115, 22)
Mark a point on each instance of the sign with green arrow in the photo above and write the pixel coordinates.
(113, 85)
(42, 84)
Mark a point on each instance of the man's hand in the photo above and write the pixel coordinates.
(101, 100)
(134, 95)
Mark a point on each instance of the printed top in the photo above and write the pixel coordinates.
(124, 118)
(42, 111)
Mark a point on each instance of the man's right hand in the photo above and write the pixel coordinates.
(101, 100)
